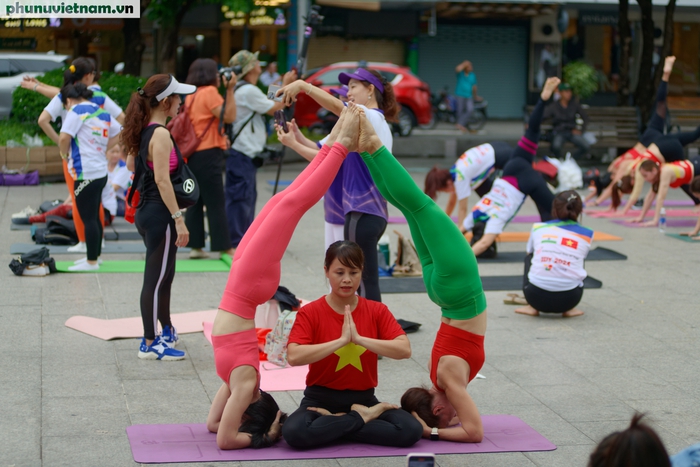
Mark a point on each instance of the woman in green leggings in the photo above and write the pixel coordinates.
(452, 280)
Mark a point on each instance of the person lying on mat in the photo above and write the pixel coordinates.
(491, 214)
(677, 174)
(472, 171)
(340, 336)
(621, 166)
(556, 251)
(241, 414)
(451, 278)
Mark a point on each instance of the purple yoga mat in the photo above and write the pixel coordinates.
(159, 444)
(668, 202)
(524, 219)
(669, 222)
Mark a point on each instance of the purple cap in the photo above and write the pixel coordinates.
(362, 74)
(341, 91)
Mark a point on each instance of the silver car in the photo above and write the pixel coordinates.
(13, 66)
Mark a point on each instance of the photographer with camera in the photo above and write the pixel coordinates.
(248, 137)
(206, 108)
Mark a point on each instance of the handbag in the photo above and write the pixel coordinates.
(184, 182)
(182, 131)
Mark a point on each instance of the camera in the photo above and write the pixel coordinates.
(228, 72)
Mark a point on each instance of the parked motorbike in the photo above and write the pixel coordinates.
(445, 110)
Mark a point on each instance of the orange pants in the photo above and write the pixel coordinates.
(79, 226)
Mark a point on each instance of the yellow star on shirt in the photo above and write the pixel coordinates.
(349, 355)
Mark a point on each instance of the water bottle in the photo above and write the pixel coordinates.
(662, 220)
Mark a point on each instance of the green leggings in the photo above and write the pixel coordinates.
(450, 271)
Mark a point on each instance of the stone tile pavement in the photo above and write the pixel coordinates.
(66, 398)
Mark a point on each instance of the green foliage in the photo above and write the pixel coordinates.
(582, 77)
(27, 105)
(14, 131)
(120, 87)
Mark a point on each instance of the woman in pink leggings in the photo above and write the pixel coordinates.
(241, 414)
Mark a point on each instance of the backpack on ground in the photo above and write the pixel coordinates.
(276, 340)
(407, 262)
(33, 263)
(58, 231)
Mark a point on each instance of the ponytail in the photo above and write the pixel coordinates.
(75, 91)
(80, 67)
(138, 112)
(436, 180)
(623, 186)
(567, 205)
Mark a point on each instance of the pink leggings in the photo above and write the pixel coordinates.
(255, 271)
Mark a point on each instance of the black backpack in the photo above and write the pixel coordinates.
(33, 258)
(58, 231)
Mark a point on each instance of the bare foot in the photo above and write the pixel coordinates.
(333, 136)
(350, 130)
(527, 310)
(571, 313)
(668, 64)
(549, 86)
(369, 141)
(372, 413)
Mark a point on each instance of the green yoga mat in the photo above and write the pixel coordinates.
(182, 265)
(684, 238)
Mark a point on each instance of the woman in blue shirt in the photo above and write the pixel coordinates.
(465, 92)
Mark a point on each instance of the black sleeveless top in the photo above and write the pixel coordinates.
(146, 183)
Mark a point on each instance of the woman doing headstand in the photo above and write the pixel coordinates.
(451, 277)
(519, 180)
(241, 415)
(554, 273)
(472, 171)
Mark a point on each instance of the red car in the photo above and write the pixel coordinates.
(412, 93)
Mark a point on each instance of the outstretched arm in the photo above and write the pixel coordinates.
(323, 98)
(451, 203)
(636, 191)
(665, 180)
(462, 210)
(645, 208)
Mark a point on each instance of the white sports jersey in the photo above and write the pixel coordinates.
(472, 168)
(496, 208)
(559, 249)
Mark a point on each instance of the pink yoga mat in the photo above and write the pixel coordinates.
(633, 214)
(125, 328)
(671, 202)
(272, 377)
(669, 223)
(524, 219)
(159, 444)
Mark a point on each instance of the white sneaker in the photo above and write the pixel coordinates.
(80, 247)
(103, 243)
(84, 260)
(26, 212)
(80, 267)
(37, 271)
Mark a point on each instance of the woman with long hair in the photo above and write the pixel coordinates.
(554, 265)
(235, 415)
(159, 219)
(204, 108)
(354, 195)
(86, 134)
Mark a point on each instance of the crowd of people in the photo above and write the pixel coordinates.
(342, 334)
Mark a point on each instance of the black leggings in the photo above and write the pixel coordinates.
(530, 182)
(657, 122)
(156, 226)
(306, 429)
(546, 301)
(502, 153)
(365, 230)
(88, 196)
(672, 144)
(207, 167)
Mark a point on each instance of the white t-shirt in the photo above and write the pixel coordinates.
(380, 125)
(118, 181)
(559, 249)
(496, 208)
(55, 107)
(251, 141)
(91, 128)
(472, 168)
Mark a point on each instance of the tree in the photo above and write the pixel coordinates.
(625, 37)
(644, 94)
(133, 45)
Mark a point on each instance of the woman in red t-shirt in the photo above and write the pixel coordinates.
(339, 336)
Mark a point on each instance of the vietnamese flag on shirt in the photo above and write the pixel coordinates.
(570, 243)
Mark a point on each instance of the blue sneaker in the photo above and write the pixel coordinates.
(159, 350)
(170, 336)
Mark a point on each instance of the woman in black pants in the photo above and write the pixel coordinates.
(86, 134)
(519, 180)
(158, 217)
(204, 109)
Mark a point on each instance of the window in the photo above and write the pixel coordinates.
(36, 64)
(7, 69)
